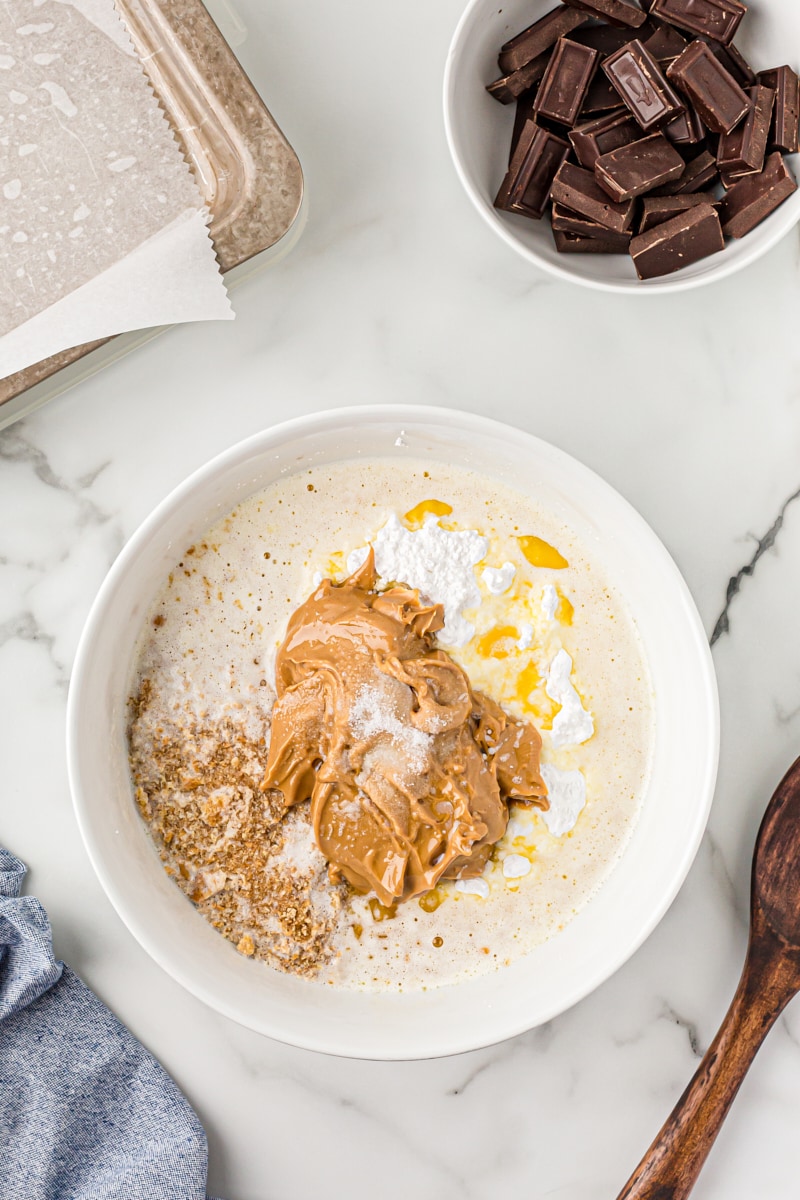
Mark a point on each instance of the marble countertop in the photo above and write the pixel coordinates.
(689, 405)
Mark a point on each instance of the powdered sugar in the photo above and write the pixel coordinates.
(499, 579)
(438, 562)
(549, 601)
(566, 791)
(473, 887)
(373, 713)
(572, 725)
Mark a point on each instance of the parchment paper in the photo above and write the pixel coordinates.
(90, 173)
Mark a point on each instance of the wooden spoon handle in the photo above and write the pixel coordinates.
(670, 1167)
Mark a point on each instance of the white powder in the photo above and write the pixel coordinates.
(473, 887)
(499, 579)
(525, 640)
(438, 562)
(549, 601)
(572, 725)
(299, 850)
(373, 714)
(566, 791)
(515, 866)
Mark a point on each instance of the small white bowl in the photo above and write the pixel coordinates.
(479, 134)
(555, 975)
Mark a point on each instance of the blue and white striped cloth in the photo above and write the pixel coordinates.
(86, 1113)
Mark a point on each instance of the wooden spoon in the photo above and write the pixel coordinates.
(770, 978)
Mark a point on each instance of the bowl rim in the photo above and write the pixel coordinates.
(270, 438)
(661, 286)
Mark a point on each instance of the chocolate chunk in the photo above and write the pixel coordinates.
(734, 63)
(638, 79)
(785, 120)
(601, 97)
(566, 80)
(638, 167)
(682, 240)
(664, 44)
(578, 190)
(526, 187)
(605, 133)
(715, 94)
(523, 114)
(616, 12)
(718, 19)
(576, 243)
(511, 87)
(657, 209)
(564, 220)
(538, 37)
(753, 198)
(606, 38)
(699, 173)
(686, 130)
(745, 148)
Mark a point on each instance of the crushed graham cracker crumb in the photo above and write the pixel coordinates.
(231, 848)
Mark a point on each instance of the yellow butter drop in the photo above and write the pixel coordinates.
(540, 553)
(487, 645)
(527, 682)
(431, 900)
(416, 515)
(565, 611)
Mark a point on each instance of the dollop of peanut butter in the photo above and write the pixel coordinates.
(408, 770)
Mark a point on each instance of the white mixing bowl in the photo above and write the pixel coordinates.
(479, 134)
(555, 975)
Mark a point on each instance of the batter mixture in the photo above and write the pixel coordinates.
(497, 604)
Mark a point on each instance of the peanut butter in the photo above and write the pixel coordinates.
(408, 770)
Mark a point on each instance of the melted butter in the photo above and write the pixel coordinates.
(489, 644)
(431, 900)
(381, 912)
(335, 564)
(565, 611)
(527, 682)
(415, 516)
(540, 553)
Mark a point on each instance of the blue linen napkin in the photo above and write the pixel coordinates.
(86, 1113)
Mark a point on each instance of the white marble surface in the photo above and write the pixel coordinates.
(689, 405)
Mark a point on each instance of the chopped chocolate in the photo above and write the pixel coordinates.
(566, 221)
(686, 130)
(637, 168)
(523, 114)
(605, 133)
(600, 98)
(538, 37)
(753, 198)
(699, 173)
(511, 87)
(526, 187)
(664, 44)
(578, 190)
(734, 63)
(684, 239)
(606, 38)
(566, 80)
(657, 209)
(616, 12)
(744, 150)
(718, 19)
(576, 243)
(644, 90)
(785, 120)
(715, 94)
